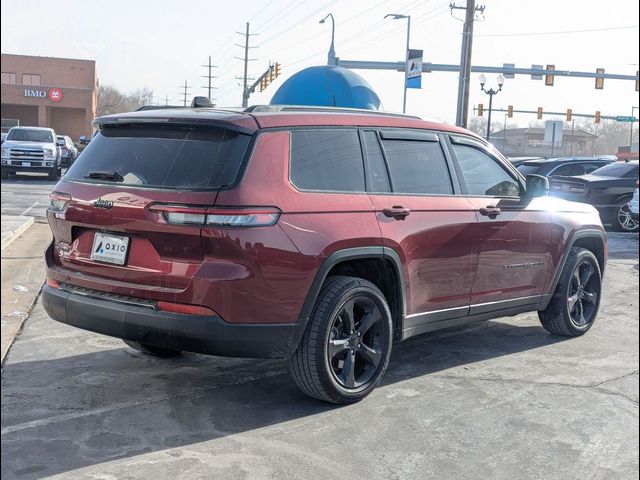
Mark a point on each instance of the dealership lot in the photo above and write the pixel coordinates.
(26, 195)
(502, 399)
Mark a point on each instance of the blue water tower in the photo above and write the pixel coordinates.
(327, 86)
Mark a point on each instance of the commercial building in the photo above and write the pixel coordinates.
(51, 92)
(530, 142)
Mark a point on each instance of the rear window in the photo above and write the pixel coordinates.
(28, 135)
(618, 170)
(525, 169)
(327, 160)
(162, 157)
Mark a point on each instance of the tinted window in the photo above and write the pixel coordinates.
(162, 157)
(618, 170)
(327, 160)
(28, 135)
(417, 167)
(483, 175)
(569, 170)
(378, 177)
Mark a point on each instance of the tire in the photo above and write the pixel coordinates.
(53, 173)
(152, 350)
(3, 174)
(622, 219)
(574, 306)
(320, 365)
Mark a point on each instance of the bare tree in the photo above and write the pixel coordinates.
(111, 100)
(611, 135)
(478, 125)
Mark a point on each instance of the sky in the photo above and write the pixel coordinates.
(161, 44)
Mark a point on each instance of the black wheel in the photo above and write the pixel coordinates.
(574, 306)
(53, 173)
(3, 174)
(345, 350)
(623, 220)
(152, 350)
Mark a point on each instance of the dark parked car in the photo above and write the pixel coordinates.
(609, 189)
(563, 167)
(323, 236)
(517, 161)
(69, 152)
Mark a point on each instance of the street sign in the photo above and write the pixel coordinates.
(553, 133)
(536, 76)
(414, 69)
(509, 65)
(626, 119)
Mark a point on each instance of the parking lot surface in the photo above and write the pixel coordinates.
(26, 195)
(501, 400)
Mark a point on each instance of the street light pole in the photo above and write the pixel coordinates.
(331, 57)
(633, 109)
(491, 92)
(398, 16)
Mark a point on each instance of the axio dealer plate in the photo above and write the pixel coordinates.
(110, 248)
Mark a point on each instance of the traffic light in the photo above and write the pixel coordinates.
(539, 113)
(480, 109)
(548, 78)
(263, 84)
(510, 111)
(277, 69)
(569, 114)
(597, 117)
(599, 81)
(272, 75)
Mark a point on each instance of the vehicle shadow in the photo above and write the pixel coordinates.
(71, 412)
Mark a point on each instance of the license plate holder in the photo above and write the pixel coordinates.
(109, 248)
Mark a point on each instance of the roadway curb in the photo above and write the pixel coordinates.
(17, 232)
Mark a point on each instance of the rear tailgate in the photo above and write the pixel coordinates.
(146, 188)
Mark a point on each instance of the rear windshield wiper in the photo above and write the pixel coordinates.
(105, 175)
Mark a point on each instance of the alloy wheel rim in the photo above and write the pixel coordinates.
(584, 291)
(625, 220)
(357, 342)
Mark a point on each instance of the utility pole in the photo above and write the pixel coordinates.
(185, 92)
(462, 110)
(246, 59)
(209, 77)
(166, 100)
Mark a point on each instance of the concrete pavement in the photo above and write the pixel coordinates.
(500, 400)
(22, 277)
(12, 227)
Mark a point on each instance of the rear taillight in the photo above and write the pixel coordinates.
(251, 217)
(216, 217)
(180, 214)
(53, 283)
(59, 201)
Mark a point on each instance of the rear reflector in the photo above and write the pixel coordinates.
(184, 308)
(53, 283)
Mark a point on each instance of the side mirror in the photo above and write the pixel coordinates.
(60, 142)
(537, 186)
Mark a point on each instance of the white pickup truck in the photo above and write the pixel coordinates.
(31, 149)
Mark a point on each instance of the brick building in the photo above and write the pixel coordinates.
(49, 92)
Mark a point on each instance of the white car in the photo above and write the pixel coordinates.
(633, 204)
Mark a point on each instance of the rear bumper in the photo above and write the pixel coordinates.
(208, 335)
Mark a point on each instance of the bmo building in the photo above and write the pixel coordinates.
(49, 92)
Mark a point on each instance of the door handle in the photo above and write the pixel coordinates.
(397, 212)
(491, 212)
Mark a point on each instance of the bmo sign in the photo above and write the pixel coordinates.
(54, 94)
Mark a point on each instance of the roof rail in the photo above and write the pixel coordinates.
(311, 108)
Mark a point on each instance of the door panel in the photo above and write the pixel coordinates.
(513, 233)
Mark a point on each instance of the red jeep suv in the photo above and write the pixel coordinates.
(313, 234)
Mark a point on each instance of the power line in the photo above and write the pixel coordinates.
(558, 32)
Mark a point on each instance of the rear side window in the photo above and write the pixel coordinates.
(327, 160)
(569, 170)
(162, 157)
(377, 171)
(417, 167)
